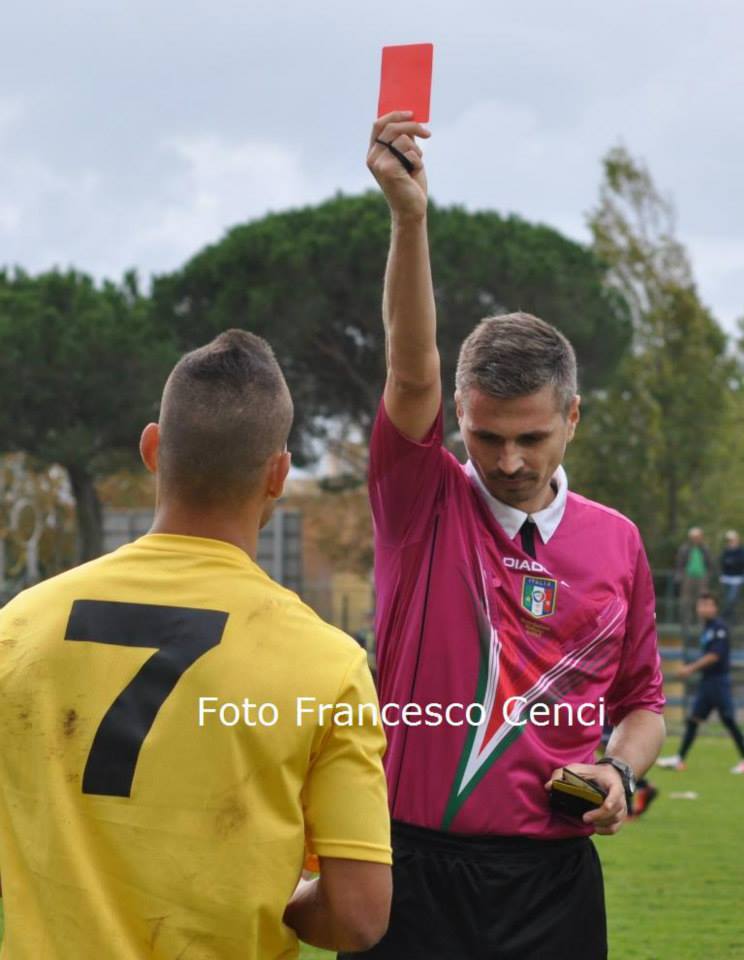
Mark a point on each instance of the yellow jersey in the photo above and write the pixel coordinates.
(170, 752)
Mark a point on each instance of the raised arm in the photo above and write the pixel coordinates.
(413, 387)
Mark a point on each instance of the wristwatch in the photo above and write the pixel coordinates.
(628, 777)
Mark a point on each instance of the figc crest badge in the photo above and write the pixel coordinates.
(538, 596)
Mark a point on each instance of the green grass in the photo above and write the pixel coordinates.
(312, 953)
(674, 878)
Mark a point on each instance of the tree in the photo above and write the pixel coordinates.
(721, 491)
(310, 281)
(647, 440)
(81, 371)
(340, 525)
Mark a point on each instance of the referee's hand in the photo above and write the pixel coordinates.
(406, 193)
(608, 818)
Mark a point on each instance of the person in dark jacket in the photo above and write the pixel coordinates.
(732, 574)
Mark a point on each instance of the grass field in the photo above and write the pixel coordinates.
(675, 878)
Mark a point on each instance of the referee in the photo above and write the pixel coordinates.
(496, 586)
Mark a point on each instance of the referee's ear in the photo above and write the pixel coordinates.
(573, 416)
(149, 443)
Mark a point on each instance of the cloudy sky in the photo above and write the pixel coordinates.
(132, 132)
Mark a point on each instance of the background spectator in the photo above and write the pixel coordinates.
(732, 574)
(693, 570)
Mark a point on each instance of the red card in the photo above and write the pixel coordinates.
(406, 80)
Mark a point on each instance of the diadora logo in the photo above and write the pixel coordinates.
(514, 563)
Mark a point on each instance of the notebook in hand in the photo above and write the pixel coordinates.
(574, 796)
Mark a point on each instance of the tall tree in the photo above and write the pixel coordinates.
(646, 442)
(721, 492)
(80, 373)
(310, 281)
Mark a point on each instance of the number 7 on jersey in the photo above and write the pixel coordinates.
(180, 634)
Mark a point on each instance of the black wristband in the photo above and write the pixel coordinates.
(401, 157)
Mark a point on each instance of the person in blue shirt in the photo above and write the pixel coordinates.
(714, 692)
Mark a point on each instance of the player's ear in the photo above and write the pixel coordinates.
(149, 443)
(279, 465)
(458, 405)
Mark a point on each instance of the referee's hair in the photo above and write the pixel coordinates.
(515, 355)
(226, 409)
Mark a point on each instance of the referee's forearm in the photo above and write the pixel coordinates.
(408, 309)
(638, 740)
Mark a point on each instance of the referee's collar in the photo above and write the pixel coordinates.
(511, 518)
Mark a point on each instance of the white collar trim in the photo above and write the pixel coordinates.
(511, 518)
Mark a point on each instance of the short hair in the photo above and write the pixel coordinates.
(707, 595)
(515, 355)
(226, 409)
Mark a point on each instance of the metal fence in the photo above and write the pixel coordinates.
(347, 601)
(279, 543)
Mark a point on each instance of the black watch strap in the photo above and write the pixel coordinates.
(626, 773)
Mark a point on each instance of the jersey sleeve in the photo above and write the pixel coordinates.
(345, 795)
(719, 642)
(638, 684)
(405, 479)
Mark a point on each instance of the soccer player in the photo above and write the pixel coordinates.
(714, 692)
(158, 786)
(496, 586)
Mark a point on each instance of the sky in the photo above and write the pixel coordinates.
(133, 133)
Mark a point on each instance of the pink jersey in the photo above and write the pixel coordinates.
(466, 616)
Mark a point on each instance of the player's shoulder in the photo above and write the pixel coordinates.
(41, 595)
(298, 620)
(607, 519)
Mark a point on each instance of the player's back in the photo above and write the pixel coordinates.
(128, 830)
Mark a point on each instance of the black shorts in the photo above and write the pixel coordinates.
(714, 693)
(492, 898)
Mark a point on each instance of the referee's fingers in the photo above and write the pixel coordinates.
(555, 775)
(405, 144)
(392, 125)
(613, 810)
(410, 128)
(610, 830)
(396, 116)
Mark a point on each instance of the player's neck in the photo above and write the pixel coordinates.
(241, 531)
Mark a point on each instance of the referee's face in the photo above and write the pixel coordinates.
(516, 444)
